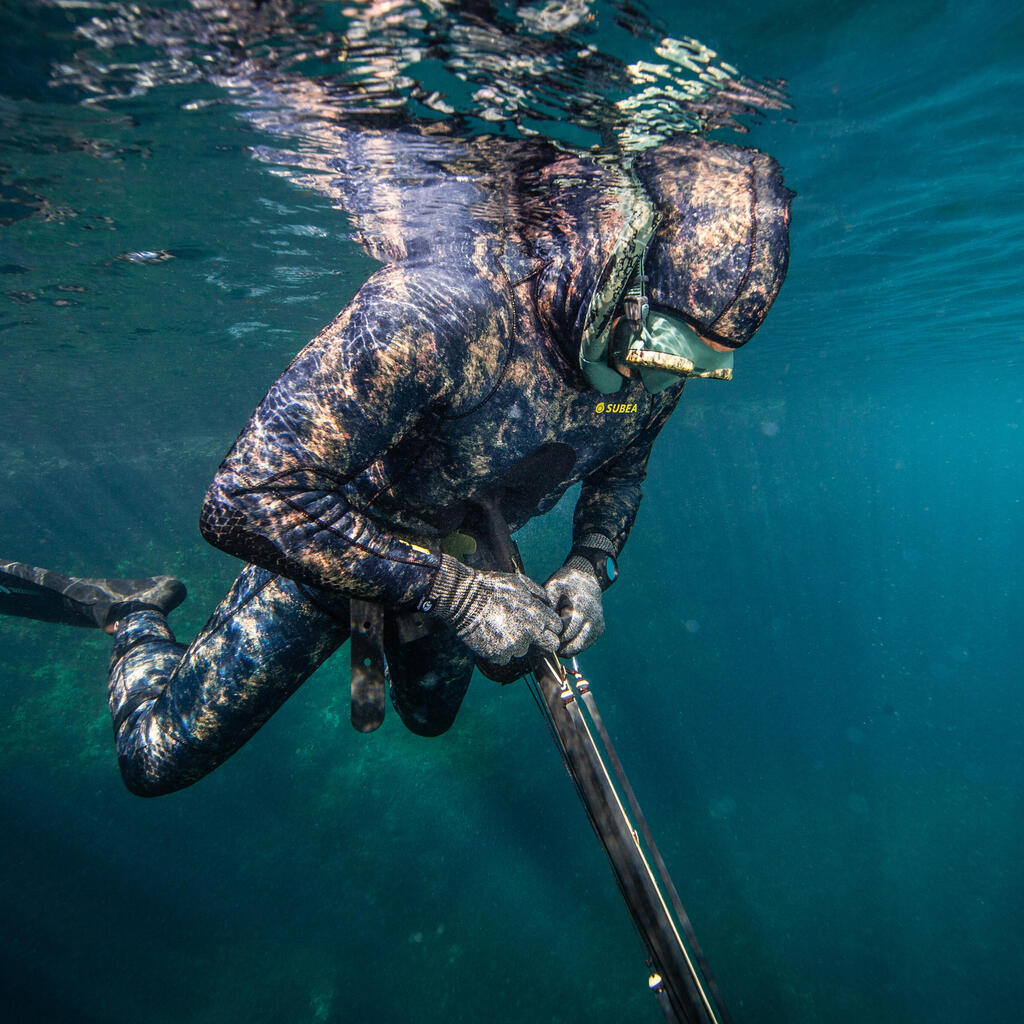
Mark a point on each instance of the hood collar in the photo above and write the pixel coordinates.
(593, 221)
(710, 220)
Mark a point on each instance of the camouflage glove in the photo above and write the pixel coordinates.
(497, 615)
(575, 592)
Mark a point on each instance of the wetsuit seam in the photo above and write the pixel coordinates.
(134, 701)
(237, 608)
(316, 521)
(183, 730)
(340, 481)
(123, 653)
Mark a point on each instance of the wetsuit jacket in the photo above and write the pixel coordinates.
(450, 375)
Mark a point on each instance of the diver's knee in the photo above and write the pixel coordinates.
(150, 780)
(427, 725)
(428, 703)
(142, 785)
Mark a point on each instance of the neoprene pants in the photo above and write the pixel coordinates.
(179, 711)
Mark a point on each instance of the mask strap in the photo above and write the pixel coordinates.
(635, 304)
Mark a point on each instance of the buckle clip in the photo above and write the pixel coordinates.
(635, 304)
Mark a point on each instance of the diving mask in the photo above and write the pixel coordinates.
(663, 348)
(666, 348)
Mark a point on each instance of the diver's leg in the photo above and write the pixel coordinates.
(180, 711)
(429, 678)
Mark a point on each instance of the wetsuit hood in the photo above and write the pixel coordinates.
(721, 248)
(589, 222)
(707, 222)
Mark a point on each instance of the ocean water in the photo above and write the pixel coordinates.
(811, 663)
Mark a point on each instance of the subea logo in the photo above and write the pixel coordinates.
(615, 407)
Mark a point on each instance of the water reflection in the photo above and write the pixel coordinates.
(418, 119)
(526, 70)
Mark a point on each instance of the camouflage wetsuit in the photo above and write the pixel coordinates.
(445, 381)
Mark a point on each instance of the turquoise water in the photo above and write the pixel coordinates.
(810, 666)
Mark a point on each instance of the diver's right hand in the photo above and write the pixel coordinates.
(497, 615)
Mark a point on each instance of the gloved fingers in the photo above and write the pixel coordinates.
(548, 640)
(520, 647)
(573, 623)
(512, 613)
(577, 646)
(535, 606)
(591, 630)
(552, 623)
(542, 616)
(544, 630)
(586, 636)
(535, 589)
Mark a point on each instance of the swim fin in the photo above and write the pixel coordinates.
(48, 596)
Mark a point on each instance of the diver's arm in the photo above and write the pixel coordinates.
(609, 500)
(604, 516)
(397, 354)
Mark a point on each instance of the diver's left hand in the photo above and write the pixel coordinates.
(576, 595)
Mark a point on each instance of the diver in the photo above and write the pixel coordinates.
(454, 391)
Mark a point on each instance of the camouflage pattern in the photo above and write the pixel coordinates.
(455, 366)
(180, 712)
(451, 382)
(720, 255)
(47, 596)
(453, 376)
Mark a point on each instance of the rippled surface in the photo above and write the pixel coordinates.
(601, 73)
(812, 671)
(383, 107)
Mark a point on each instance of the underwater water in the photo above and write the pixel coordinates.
(810, 664)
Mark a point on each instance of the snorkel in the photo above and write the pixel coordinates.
(699, 256)
(660, 348)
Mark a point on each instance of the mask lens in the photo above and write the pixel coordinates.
(667, 349)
